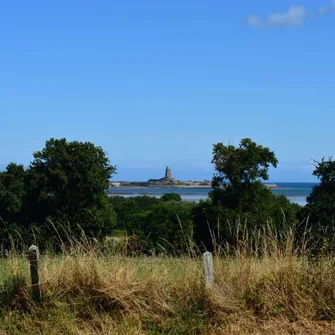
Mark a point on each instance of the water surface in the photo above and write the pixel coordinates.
(296, 192)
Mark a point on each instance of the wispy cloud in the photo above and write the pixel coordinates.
(326, 10)
(295, 16)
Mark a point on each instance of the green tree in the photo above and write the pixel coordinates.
(320, 208)
(67, 183)
(12, 192)
(321, 201)
(239, 172)
(239, 199)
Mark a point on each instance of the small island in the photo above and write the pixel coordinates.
(169, 182)
(166, 182)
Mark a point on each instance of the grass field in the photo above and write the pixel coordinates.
(87, 291)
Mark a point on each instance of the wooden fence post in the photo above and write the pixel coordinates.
(209, 268)
(34, 256)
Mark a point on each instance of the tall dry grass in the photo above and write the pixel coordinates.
(265, 285)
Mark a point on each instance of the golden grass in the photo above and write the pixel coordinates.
(89, 292)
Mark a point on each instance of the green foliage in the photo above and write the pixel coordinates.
(243, 164)
(164, 225)
(168, 225)
(320, 209)
(205, 220)
(145, 202)
(239, 171)
(12, 192)
(239, 199)
(130, 210)
(216, 224)
(321, 202)
(64, 186)
(171, 197)
(68, 181)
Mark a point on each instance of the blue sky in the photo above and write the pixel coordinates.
(157, 83)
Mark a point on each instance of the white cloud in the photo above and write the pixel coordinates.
(295, 16)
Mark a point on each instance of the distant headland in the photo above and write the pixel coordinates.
(169, 182)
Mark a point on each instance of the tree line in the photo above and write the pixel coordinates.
(63, 193)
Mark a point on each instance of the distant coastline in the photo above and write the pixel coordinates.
(168, 182)
(195, 186)
(128, 185)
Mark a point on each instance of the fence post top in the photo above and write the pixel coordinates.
(33, 250)
(207, 253)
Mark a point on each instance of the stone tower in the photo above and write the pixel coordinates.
(168, 173)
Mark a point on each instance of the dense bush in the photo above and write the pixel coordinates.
(164, 225)
(171, 197)
(167, 225)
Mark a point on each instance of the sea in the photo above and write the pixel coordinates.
(295, 192)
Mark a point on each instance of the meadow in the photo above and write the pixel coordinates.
(262, 286)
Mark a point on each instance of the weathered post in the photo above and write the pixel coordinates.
(34, 256)
(209, 268)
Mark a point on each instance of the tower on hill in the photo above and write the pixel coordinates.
(166, 180)
(168, 173)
